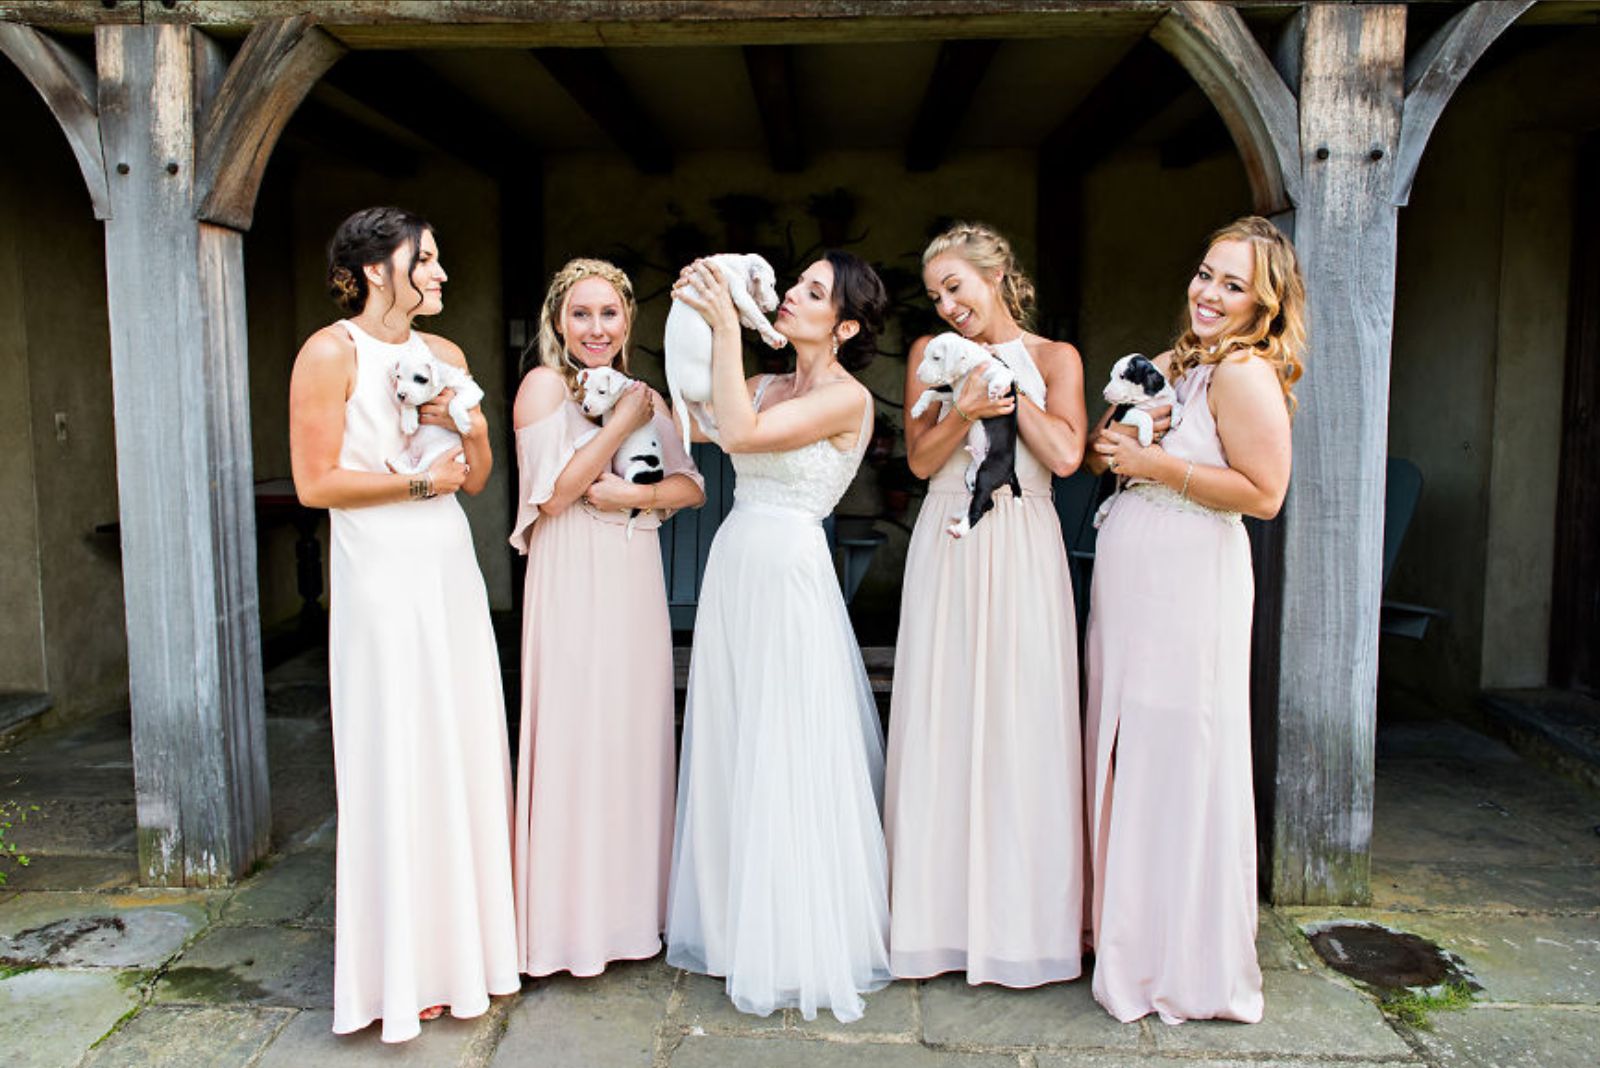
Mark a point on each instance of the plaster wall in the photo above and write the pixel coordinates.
(59, 257)
(1480, 328)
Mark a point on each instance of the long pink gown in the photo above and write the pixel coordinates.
(984, 802)
(1171, 815)
(424, 912)
(595, 786)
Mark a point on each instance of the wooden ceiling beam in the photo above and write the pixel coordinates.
(956, 75)
(1142, 85)
(588, 77)
(403, 88)
(771, 70)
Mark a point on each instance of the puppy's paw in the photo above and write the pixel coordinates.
(958, 527)
(775, 340)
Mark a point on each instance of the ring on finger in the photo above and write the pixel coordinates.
(1112, 463)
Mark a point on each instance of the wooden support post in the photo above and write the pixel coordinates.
(956, 75)
(185, 138)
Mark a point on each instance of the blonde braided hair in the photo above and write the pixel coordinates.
(552, 346)
(986, 249)
(1278, 332)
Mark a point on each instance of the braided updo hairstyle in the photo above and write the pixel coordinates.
(370, 236)
(552, 346)
(982, 246)
(858, 294)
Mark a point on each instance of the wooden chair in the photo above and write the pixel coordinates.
(1402, 490)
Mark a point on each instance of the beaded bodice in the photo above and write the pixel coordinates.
(810, 479)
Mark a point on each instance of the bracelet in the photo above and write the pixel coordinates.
(651, 507)
(421, 488)
(1187, 471)
(962, 414)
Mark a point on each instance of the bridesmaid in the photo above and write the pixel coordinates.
(984, 806)
(1171, 814)
(424, 911)
(595, 771)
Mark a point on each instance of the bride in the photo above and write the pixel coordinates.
(779, 877)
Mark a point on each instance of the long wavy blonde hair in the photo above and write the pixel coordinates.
(1278, 332)
(987, 250)
(552, 346)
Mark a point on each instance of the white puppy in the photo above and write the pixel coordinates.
(418, 378)
(688, 337)
(1136, 388)
(638, 459)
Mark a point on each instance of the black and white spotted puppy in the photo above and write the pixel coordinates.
(947, 361)
(1136, 388)
(639, 458)
(417, 379)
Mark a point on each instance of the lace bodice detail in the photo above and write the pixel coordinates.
(809, 479)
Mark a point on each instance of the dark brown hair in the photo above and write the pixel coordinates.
(369, 236)
(858, 294)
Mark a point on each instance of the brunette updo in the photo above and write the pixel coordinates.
(858, 294)
(369, 236)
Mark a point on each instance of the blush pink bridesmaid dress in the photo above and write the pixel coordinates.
(1171, 809)
(593, 839)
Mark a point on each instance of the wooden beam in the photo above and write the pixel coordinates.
(1216, 47)
(69, 90)
(1142, 84)
(1332, 526)
(1434, 72)
(956, 74)
(276, 67)
(594, 85)
(175, 301)
(437, 112)
(771, 70)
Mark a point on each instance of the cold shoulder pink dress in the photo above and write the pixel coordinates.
(1171, 810)
(424, 914)
(593, 837)
(984, 795)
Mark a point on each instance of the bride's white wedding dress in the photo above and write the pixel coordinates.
(779, 874)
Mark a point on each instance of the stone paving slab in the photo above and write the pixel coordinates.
(1061, 1015)
(1133, 1060)
(719, 1051)
(289, 889)
(75, 872)
(1526, 959)
(1306, 1013)
(891, 1013)
(309, 1042)
(174, 1036)
(612, 1019)
(1514, 1038)
(1404, 886)
(132, 930)
(49, 1016)
(278, 966)
(1279, 945)
(702, 1005)
(83, 826)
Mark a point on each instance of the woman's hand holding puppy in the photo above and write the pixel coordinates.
(701, 286)
(974, 401)
(634, 409)
(613, 493)
(448, 473)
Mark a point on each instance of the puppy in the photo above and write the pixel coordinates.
(1136, 388)
(688, 336)
(639, 458)
(992, 442)
(417, 379)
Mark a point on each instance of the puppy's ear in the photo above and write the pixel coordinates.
(583, 378)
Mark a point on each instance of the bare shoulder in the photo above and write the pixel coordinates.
(327, 349)
(1047, 353)
(444, 349)
(1245, 373)
(543, 384)
(1164, 363)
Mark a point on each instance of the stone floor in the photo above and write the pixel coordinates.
(1475, 849)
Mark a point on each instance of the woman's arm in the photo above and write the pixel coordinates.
(929, 439)
(324, 373)
(475, 443)
(1253, 423)
(612, 493)
(825, 412)
(1055, 432)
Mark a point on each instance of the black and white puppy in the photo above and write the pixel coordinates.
(639, 458)
(1136, 388)
(946, 362)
